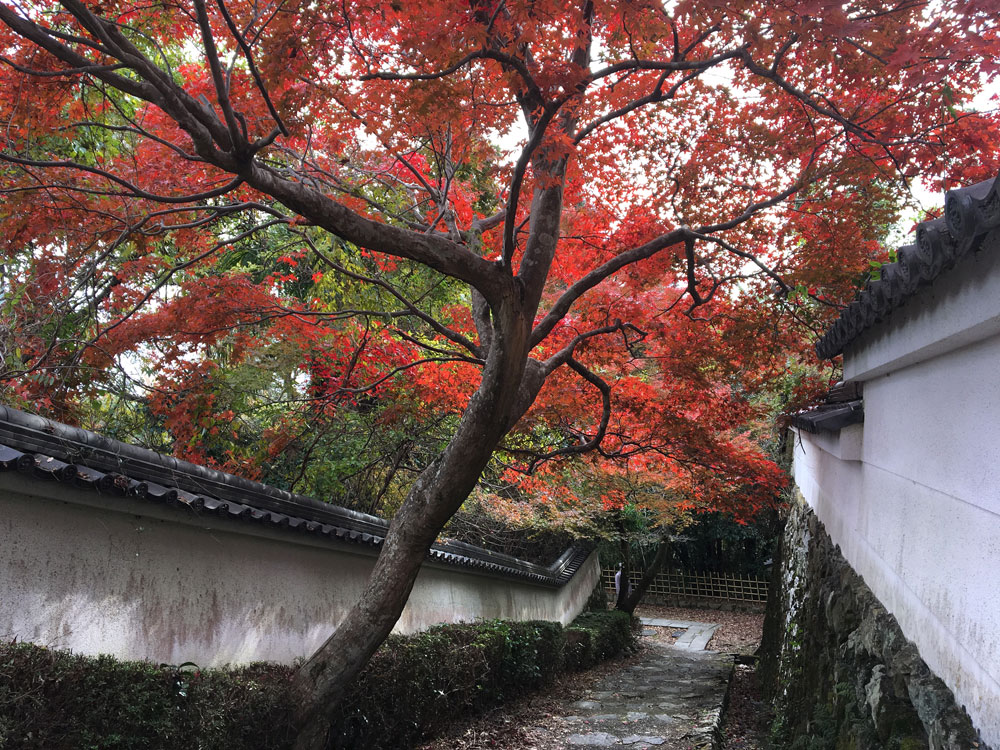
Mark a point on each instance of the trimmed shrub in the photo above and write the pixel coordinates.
(595, 636)
(417, 683)
(55, 700)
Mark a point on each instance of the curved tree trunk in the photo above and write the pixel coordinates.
(628, 602)
(510, 383)
(504, 394)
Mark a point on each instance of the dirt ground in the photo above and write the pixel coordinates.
(747, 718)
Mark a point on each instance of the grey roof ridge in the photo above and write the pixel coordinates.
(55, 451)
(970, 214)
(77, 445)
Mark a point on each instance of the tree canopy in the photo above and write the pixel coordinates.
(502, 232)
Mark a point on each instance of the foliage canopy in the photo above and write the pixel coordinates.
(551, 229)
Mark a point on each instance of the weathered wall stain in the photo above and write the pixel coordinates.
(99, 580)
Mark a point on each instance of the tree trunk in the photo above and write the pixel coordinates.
(438, 492)
(510, 383)
(631, 601)
(626, 568)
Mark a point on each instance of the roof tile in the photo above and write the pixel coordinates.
(52, 451)
(970, 214)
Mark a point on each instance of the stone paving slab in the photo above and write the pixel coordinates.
(696, 638)
(671, 700)
(696, 635)
(659, 622)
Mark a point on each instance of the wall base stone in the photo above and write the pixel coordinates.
(840, 673)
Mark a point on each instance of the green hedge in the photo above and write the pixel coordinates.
(442, 673)
(595, 636)
(55, 700)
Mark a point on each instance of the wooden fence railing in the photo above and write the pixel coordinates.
(734, 587)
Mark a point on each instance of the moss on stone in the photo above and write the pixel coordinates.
(839, 671)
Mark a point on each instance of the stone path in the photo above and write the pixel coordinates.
(671, 700)
(696, 635)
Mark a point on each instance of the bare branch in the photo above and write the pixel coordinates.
(517, 179)
(484, 54)
(654, 97)
(767, 270)
(248, 56)
(180, 267)
(403, 368)
(133, 190)
(435, 324)
(238, 139)
(589, 443)
(69, 72)
(590, 280)
(626, 66)
(849, 125)
(565, 354)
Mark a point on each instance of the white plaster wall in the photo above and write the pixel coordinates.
(139, 581)
(917, 514)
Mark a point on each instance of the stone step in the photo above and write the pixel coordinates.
(672, 700)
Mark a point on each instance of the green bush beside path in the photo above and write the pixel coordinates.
(56, 700)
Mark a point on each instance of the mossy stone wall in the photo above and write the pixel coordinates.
(839, 671)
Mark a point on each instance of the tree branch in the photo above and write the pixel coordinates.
(590, 443)
(416, 312)
(133, 190)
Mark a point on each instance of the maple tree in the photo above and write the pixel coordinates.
(527, 217)
(685, 436)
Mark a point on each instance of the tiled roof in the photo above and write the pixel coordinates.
(843, 405)
(52, 452)
(830, 417)
(970, 214)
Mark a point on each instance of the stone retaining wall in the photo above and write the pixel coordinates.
(839, 671)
